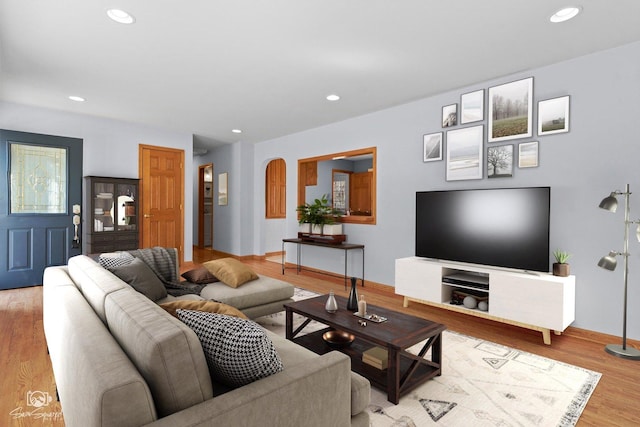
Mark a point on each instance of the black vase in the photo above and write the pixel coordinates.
(352, 303)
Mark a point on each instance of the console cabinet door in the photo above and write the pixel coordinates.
(547, 302)
(419, 279)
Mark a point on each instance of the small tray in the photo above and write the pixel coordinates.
(371, 317)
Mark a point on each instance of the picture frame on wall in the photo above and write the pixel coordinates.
(528, 154)
(500, 161)
(449, 115)
(553, 116)
(464, 153)
(472, 107)
(432, 147)
(223, 189)
(510, 110)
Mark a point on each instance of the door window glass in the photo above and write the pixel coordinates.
(38, 179)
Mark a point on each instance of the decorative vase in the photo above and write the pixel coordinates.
(352, 303)
(331, 306)
(561, 270)
(362, 306)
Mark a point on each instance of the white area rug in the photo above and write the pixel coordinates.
(482, 384)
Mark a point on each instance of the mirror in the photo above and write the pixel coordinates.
(348, 178)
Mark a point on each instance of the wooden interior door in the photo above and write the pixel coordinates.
(162, 197)
(360, 192)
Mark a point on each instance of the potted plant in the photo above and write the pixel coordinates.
(317, 214)
(561, 267)
(303, 219)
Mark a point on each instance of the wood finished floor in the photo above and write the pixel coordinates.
(25, 365)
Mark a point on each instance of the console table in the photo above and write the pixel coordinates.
(346, 247)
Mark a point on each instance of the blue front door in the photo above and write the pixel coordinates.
(40, 188)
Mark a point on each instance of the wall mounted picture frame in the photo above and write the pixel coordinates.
(449, 115)
(432, 147)
(528, 154)
(510, 110)
(500, 161)
(472, 107)
(553, 116)
(223, 199)
(464, 153)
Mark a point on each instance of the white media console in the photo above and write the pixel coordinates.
(538, 301)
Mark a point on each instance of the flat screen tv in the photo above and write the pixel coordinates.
(503, 227)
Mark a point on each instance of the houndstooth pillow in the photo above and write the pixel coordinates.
(115, 259)
(238, 351)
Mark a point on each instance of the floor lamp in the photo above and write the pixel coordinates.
(609, 262)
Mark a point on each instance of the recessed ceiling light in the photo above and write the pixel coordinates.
(333, 97)
(236, 130)
(565, 14)
(121, 16)
(76, 98)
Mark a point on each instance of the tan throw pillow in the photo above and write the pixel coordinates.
(230, 271)
(207, 306)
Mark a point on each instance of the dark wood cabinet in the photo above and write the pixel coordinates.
(111, 214)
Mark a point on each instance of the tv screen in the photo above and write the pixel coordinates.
(505, 227)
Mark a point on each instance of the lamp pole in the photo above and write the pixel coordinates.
(622, 350)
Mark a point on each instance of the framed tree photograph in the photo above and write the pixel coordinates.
(500, 161)
(222, 189)
(449, 115)
(432, 147)
(472, 107)
(528, 154)
(553, 116)
(510, 110)
(464, 153)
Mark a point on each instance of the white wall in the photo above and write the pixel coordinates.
(110, 147)
(598, 155)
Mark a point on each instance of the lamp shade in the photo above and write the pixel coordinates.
(608, 262)
(609, 203)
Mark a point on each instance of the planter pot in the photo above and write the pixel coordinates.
(561, 270)
(316, 228)
(332, 229)
(304, 228)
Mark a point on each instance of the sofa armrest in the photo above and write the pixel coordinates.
(310, 395)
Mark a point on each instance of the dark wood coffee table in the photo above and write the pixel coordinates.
(405, 371)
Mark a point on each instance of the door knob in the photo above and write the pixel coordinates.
(148, 215)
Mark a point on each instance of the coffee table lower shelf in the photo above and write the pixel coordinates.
(413, 370)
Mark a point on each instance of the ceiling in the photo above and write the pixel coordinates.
(265, 67)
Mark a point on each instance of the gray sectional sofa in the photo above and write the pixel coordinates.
(120, 360)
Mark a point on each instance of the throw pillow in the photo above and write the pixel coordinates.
(230, 271)
(142, 279)
(206, 305)
(199, 276)
(114, 259)
(238, 351)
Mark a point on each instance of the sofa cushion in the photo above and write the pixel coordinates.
(230, 271)
(141, 278)
(257, 292)
(238, 351)
(199, 276)
(166, 352)
(94, 282)
(201, 305)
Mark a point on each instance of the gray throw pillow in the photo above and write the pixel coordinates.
(238, 351)
(141, 278)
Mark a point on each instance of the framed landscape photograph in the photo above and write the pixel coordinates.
(553, 116)
(510, 110)
(500, 161)
(464, 153)
(449, 115)
(472, 107)
(432, 147)
(222, 189)
(528, 154)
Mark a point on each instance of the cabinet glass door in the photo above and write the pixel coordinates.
(103, 207)
(127, 208)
